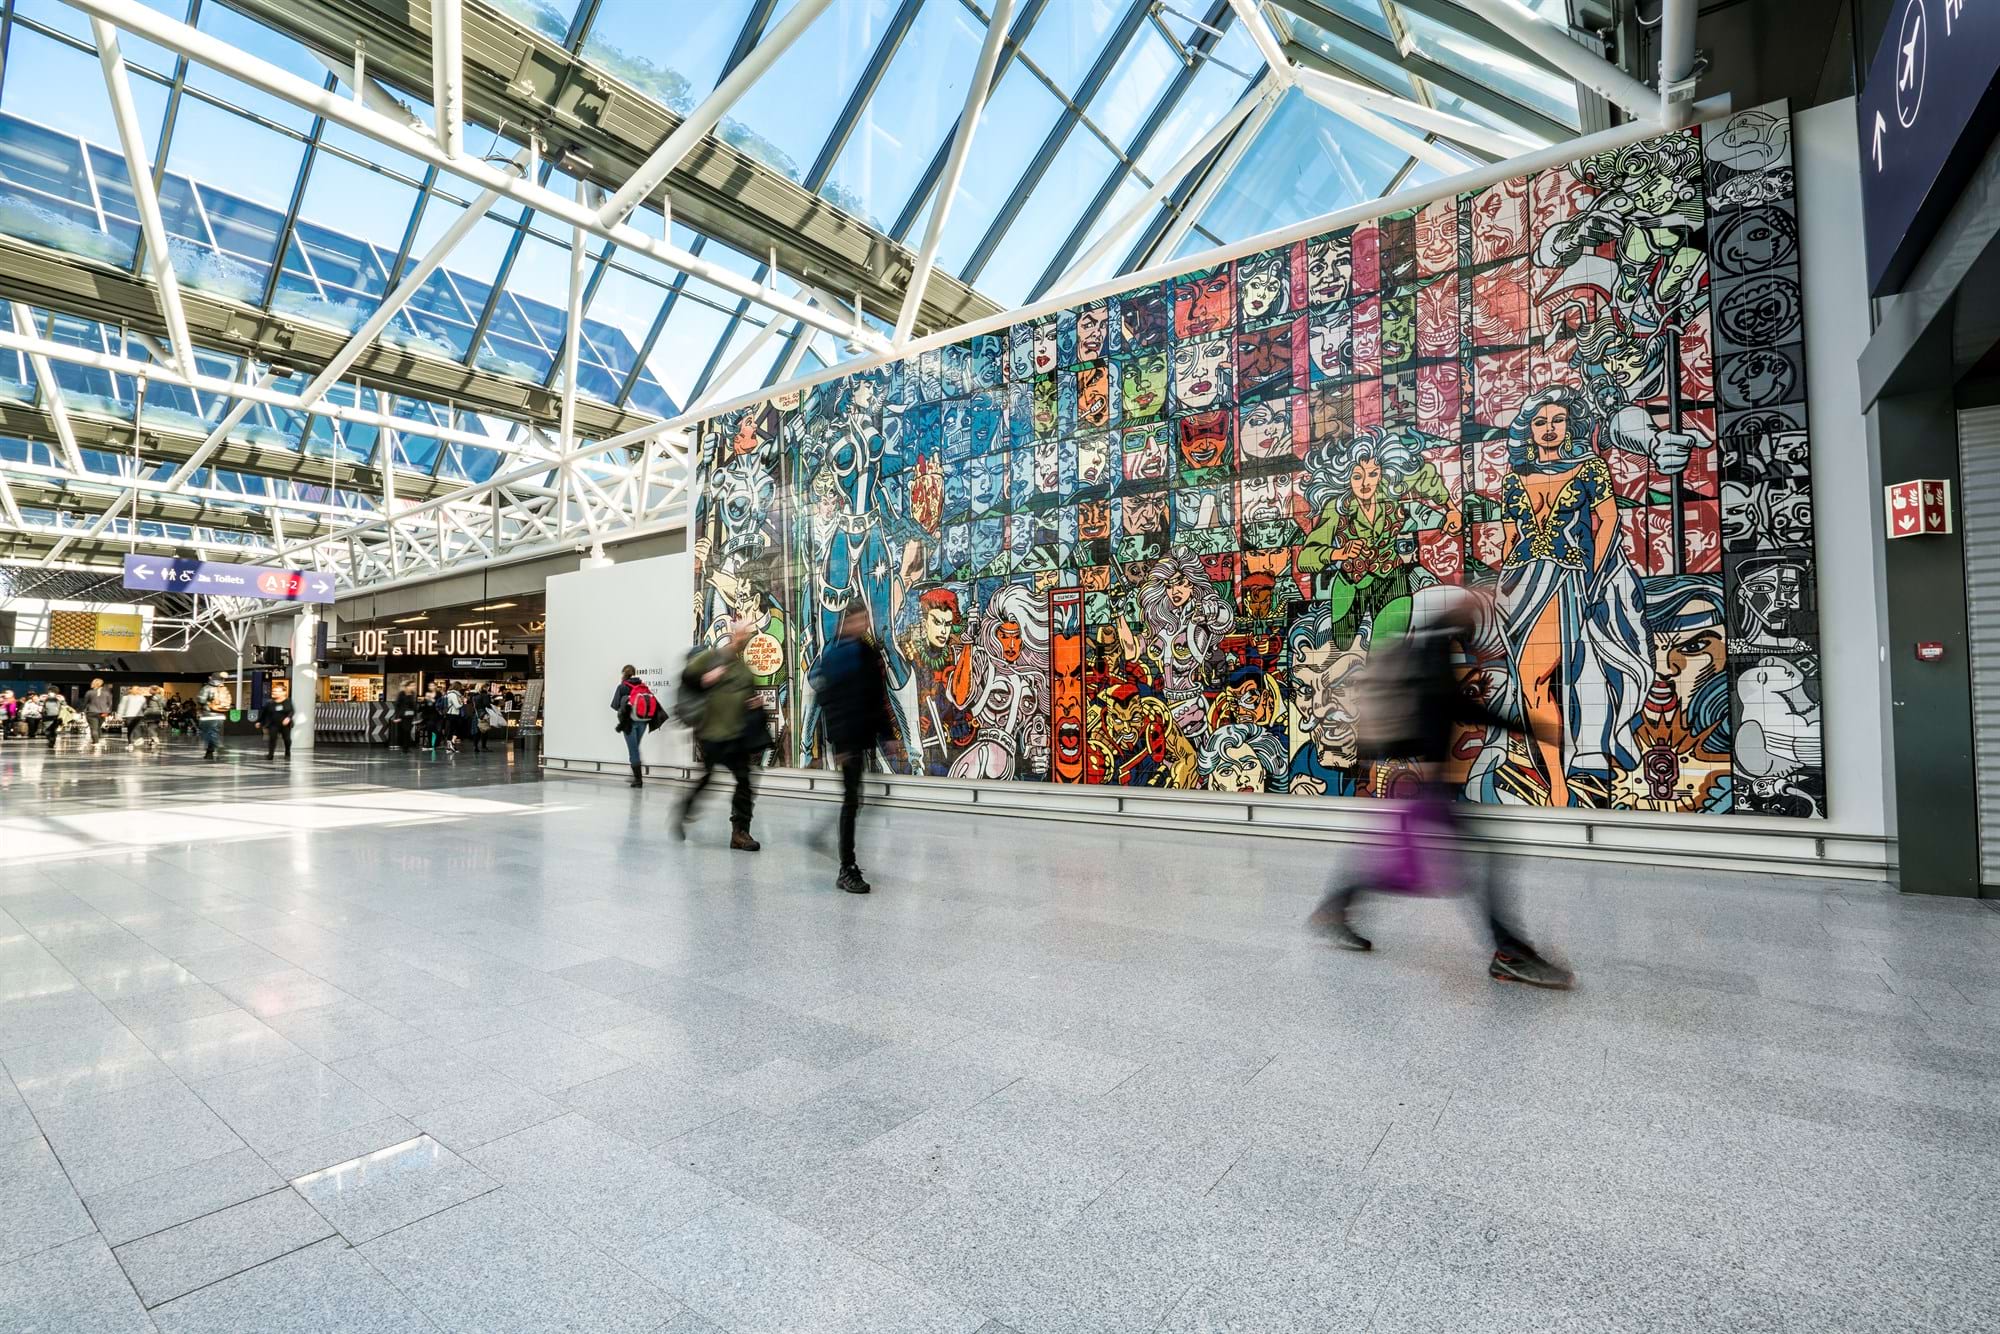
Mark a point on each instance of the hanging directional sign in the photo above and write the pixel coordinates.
(215, 578)
(1927, 115)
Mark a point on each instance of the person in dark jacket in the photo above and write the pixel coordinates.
(849, 685)
(98, 704)
(1428, 694)
(631, 727)
(276, 720)
(733, 729)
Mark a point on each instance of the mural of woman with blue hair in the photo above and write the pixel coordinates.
(1569, 599)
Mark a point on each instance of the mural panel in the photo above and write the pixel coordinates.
(1152, 540)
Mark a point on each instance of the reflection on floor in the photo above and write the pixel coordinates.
(534, 1064)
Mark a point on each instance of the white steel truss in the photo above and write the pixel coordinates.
(563, 491)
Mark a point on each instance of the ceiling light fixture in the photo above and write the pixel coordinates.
(493, 606)
(405, 620)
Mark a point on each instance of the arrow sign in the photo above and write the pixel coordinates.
(1880, 125)
(215, 578)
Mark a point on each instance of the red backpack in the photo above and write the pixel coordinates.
(645, 705)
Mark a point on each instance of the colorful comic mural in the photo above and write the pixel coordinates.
(1152, 540)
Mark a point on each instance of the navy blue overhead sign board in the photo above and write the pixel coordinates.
(216, 578)
(1927, 115)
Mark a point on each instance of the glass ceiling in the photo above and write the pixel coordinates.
(1093, 100)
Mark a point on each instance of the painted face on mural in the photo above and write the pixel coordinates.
(1020, 351)
(1324, 679)
(1045, 405)
(1548, 431)
(1142, 319)
(1048, 466)
(937, 626)
(1205, 440)
(1329, 269)
(1328, 335)
(1264, 430)
(1093, 460)
(1008, 637)
(1144, 386)
(1264, 358)
(1093, 396)
(1263, 498)
(1262, 283)
(1365, 482)
(1045, 344)
(1203, 302)
(988, 366)
(989, 483)
(1237, 769)
(1091, 324)
(1146, 514)
(1148, 456)
(1201, 372)
(1689, 658)
(1093, 520)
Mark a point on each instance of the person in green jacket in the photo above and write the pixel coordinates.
(733, 729)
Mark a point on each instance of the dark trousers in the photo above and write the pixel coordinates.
(852, 766)
(1488, 894)
(736, 759)
(273, 735)
(51, 729)
(141, 729)
(96, 721)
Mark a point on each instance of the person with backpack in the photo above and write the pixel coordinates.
(146, 725)
(639, 714)
(849, 686)
(1412, 703)
(212, 707)
(732, 729)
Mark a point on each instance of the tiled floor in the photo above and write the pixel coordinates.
(381, 1044)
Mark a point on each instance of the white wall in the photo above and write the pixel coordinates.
(1847, 494)
(641, 612)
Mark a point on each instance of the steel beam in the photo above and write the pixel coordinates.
(1555, 45)
(1387, 131)
(1470, 133)
(139, 173)
(48, 390)
(704, 118)
(961, 143)
(1259, 95)
(266, 77)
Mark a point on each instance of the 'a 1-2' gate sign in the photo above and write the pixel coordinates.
(214, 578)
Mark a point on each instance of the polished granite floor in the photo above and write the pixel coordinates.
(399, 1044)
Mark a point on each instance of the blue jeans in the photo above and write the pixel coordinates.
(211, 732)
(635, 732)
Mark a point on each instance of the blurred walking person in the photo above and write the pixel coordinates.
(276, 720)
(212, 707)
(146, 725)
(850, 686)
(732, 729)
(98, 704)
(131, 705)
(1413, 700)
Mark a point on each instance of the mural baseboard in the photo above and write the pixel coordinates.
(1774, 845)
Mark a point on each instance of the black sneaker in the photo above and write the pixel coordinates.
(851, 880)
(1334, 926)
(1530, 968)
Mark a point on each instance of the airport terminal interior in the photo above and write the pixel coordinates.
(999, 666)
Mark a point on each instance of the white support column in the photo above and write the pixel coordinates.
(1455, 128)
(1142, 209)
(8, 505)
(230, 420)
(715, 388)
(448, 74)
(1555, 45)
(305, 675)
(954, 167)
(51, 392)
(1251, 15)
(573, 334)
(139, 168)
(1386, 130)
(703, 118)
(1677, 57)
